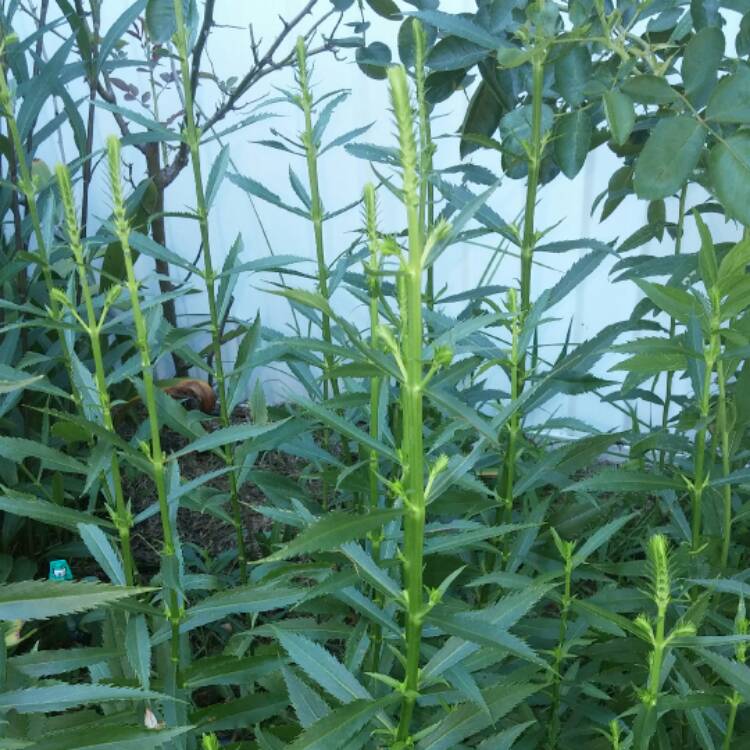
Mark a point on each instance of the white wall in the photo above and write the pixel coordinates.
(596, 303)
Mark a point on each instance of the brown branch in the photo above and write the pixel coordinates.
(263, 66)
(200, 44)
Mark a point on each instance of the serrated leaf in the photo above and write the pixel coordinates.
(216, 175)
(20, 449)
(38, 600)
(322, 667)
(734, 673)
(52, 662)
(601, 536)
(138, 649)
(469, 719)
(347, 428)
(63, 695)
(234, 434)
(308, 705)
(43, 511)
(334, 529)
(116, 737)
(626, 480)
(333, 732)
(103, 552)
(243, 600)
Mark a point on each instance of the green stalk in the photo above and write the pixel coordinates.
(27, 186)
(679, 231)
(155, 452)
(372, 269)
(659, 561)
(373, 284)
(734, 704)
(528, 241)
(121, 513)
(735, 700)
(316, 205)
(554, 725)
(614, 734)
(426, 151)
(726, 468)
(536, 149)
(192, 135)
(514, 426)
(699, 472)
(411, 398)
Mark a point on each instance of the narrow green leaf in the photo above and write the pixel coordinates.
(243, 600)
(138, 649)
(63, 695)
(116, 737)
(347, 428)
(734, 673)
(601, 536)
(38, 600)
(322, 667)
(43, 511)
(626, 480)
(103, 552)
(20, 449)
(469, 719)
(334, 731)
(334, 529)
(236, 433)
(308, 705)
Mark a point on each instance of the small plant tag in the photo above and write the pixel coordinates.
(59, 570)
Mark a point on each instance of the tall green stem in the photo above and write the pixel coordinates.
(735, 700)
(726, 463)
(536, 149)
(514, 426)
(27, 186)
(658, 557)
(192, 135)
(373, 284)
(554, 724)
(156, 454)
(528, 241)
(311, 145)
(372, 269)
(122, 516)
(426, 150)
(679, 231)
(410, 287)
(711, 356)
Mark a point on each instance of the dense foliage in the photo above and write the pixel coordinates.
(443, 566)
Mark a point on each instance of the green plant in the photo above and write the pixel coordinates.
(192, 136)
(93, 325)
(439, 558)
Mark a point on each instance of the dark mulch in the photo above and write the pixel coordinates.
(204, 529)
